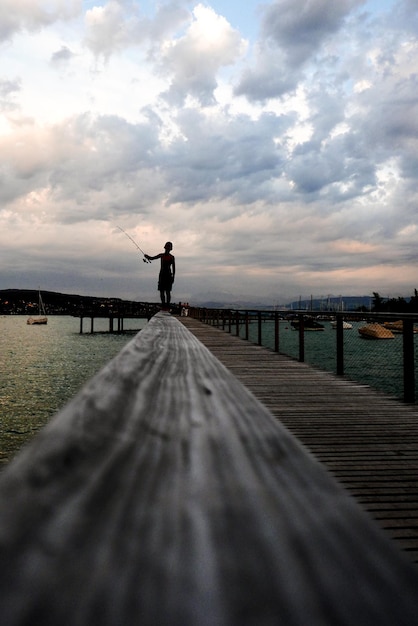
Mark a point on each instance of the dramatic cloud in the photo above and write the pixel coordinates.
(280, 163)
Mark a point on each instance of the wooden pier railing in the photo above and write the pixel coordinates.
(233, 320)
(165, 493)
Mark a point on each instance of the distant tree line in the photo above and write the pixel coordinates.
(25, 302)
(395, 305)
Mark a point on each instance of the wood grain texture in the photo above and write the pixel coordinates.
(368, 440)
(166, 494)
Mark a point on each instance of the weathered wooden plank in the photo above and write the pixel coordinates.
(165, 493)
(346, 425)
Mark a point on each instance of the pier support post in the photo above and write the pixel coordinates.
(301, 339)
(408, 361)
(340, 346)
(260, 338)
(276, 331)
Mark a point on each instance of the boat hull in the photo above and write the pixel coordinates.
(308, 325)
(375, 331)
(346, 325)
(37, 321)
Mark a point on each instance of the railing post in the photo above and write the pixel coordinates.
(408, 361)
(237, 323)
(259, 328)
(301, 339)
(246, 325)
(340, 346)
(276, 331)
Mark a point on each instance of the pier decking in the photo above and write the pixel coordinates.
(368, 441)
(166, 493)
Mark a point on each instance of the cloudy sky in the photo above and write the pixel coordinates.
(275, 143)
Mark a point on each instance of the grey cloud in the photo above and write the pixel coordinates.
(228, 159)
(89, 159)
(8, 89)
(270, 78)
(62, 55)
(107, 157)
(116, 26)
(404, 15)
(31, 16)
(388, 127)
(300, 26)
(169, 18)
(79, 160)
(292, 32)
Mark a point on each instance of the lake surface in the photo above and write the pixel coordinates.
(42, 367)
(378, 363)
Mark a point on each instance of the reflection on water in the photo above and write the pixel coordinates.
(42, 367)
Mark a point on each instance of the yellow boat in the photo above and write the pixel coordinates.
(375, 331)
(397, 327)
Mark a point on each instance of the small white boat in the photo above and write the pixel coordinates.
(41, 318)
(346, 325)
(375, 331)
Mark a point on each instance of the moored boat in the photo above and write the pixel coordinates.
(41, 318)
(375, 331)
(346, 325)
(397, 327)
(308, 324)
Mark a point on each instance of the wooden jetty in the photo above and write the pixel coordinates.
(116, 315)
(166, 493)
(369, 441)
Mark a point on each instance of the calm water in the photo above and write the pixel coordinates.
(42, 367)
(375, 363)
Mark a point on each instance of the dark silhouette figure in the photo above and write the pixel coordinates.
(167, 273)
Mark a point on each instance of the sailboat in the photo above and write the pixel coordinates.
(41, 318)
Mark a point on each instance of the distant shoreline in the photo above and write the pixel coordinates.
(25, 301)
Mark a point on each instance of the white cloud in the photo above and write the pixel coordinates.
(32, 15)
(119, 25)
(288, 163)
(195, 59)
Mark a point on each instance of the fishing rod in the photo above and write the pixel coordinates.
(134, 242)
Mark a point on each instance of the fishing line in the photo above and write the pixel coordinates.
(134, 242)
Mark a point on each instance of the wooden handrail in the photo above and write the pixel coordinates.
(165, 493)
